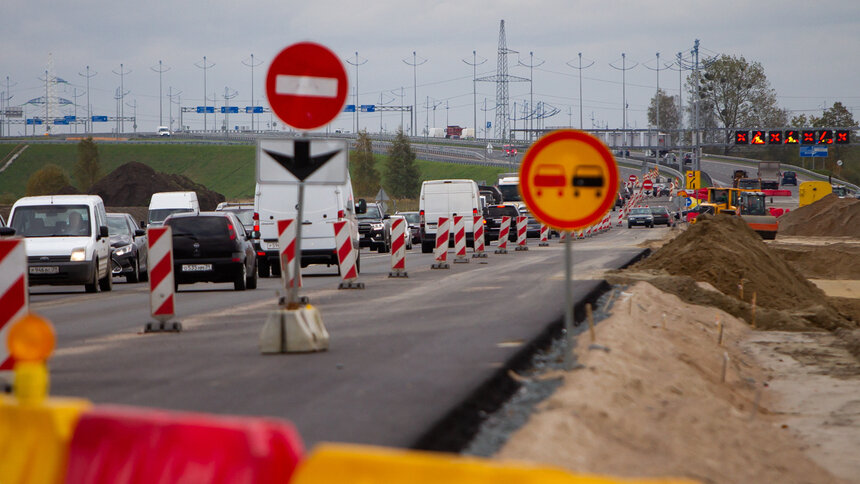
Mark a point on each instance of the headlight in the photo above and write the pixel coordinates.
(121, 251)
(78, 254)
(377, 226)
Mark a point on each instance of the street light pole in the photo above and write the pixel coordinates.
(580, 68)
(252, 65)
(414, 65)
(205, 65)
(122, 72)
(161, 70)
(475, 65)
(531, 65)
(624, 70)
(356, 64)
(89, 123)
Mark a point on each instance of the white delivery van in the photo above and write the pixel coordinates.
(324, 205)
(67, 240)
(163, 204)
(446, 198)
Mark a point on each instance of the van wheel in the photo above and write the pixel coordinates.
(94, 285)
(251, 282)
(241, 279)
(106, 284)
(357, 264)
(276, 270)
(426, 248)
(263, 268)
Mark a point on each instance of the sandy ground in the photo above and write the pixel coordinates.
(650, 400)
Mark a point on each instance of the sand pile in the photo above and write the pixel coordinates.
(724, 252)
(132, 185)
(831, 261)
(829, 217)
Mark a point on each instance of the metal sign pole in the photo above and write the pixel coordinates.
(293, 289)
(568, 298)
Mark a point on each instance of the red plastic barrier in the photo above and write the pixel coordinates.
(123, 445)
(778, 212)
(777, 193)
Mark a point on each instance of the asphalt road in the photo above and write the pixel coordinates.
(404, 352)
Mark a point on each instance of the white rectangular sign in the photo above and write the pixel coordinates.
(332, 172)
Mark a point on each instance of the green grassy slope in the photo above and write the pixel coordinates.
(225, 169)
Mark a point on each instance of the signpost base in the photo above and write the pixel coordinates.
(461, 260)
(294, 331)
(351, 285)
(440, 265)
(500, 251)
(521, 248)
(163, 327)
(479, 255)
(543, 244)
(398, 273)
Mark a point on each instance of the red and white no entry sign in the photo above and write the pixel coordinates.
(306, 85)
(632, 178)
(647, 184)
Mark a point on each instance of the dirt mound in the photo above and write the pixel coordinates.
(832, 261)
(831, 216)
(67, 190)
(724, 252)
(132, 185)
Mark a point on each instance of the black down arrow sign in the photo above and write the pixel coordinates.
(302, 164)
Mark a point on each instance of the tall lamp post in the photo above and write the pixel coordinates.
(205, 65)
(414, 65)
(531, 65)
(252, 64)
(122, 72)
(89, 123)
(580, 67)
(475, 65)
(160, 70)
(356, 64)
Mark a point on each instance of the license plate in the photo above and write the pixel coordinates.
(44, 270)
(272, 245)
(196, 267)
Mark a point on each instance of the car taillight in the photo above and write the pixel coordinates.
(256, 221)
(236, 259)
(341, 214)
(421, 214)
(474, 212)
(232, 231)
(261, 254)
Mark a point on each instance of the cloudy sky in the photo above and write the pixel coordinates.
(810, 52)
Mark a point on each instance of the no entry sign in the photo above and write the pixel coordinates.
(306, 85)
(647, 184)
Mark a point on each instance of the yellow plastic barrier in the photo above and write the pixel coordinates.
(34, 439)
(371, 465)
(812, 191)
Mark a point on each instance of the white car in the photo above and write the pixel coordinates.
(407, 233)
(163, 131)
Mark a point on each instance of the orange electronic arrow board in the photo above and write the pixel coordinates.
(568, 179)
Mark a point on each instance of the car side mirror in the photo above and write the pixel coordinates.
(142, 224)
(361, 206)
(103, 231)
(139, 233)
(7, 231)
(386, 216)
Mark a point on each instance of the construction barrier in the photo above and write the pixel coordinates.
(344, 463)
(440, 253)
(504, 232)
(346, 256)
(287, 253)
(398, 248)
(14, 302)
(460, 240)
(124, 445)
(522, 232)
(162, 286)
(544, 236)
(478, 237)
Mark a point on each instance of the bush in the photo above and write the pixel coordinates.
(47, 181)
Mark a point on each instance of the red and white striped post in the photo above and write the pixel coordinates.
(478, 237)
(14, 303)
(504, 230)
(460, 240)
(398, 248)
(162, 286)
(346, 256)
(441, 251)
(544, 236)
(287, 253)
(522, 232)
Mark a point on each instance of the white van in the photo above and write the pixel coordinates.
(163, 204)
(446, 198)
(324, 205)
(67, 239)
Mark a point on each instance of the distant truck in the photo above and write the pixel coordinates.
(769, 174)
(436, 133)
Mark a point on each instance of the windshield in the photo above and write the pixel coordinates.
(412, 217)
(118, 226)
(510, 193)
(372, 212)
(158, 215)
(754, 205)
(52, 221)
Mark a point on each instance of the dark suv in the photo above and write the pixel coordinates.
(212, 247)
(374, 228)
(789, 178)
(493, 219)
(661, 216)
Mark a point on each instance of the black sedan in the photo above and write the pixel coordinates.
(493, 221)
(212, 247)
(129, 256)
(661, 216)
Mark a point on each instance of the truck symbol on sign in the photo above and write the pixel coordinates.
(588, 176)
(550, 176)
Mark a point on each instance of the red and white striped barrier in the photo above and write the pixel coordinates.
(460, 239)
(287, 253)
(440, 253)
(504, 231)
(346, 256)
(544, 236)
(522, 232)
(478, 237)
(14, 302)
(161, 279)
(398, 248)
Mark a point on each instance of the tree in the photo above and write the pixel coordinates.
(402, 177)
(365, 178)
(669, 114)
(47, 181)
(739, 94)
(88, 169)
(836, 117)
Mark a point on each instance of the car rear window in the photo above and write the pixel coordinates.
(504, 211)
(199, 226)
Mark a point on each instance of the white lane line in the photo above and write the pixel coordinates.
(306, 86)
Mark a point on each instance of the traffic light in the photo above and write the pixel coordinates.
(790, 137)
(807, 137)
(842, 137)
(742, 137)
(774, 137)
(757, 138)
(825, 137)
